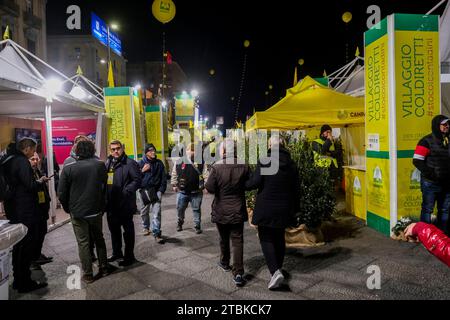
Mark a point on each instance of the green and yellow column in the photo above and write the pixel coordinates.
(123, 111)
(402, 84)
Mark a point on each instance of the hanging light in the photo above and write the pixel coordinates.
(78, 93)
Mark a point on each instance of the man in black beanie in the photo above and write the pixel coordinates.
(153, 186)
(325, 154)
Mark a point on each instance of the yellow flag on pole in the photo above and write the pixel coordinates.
(110, 76)
(357, 54)
(325, 73)
(6, 34)
(295, 77)
(79, 71)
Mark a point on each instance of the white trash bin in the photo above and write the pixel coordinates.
(5, 267)
(10, 234)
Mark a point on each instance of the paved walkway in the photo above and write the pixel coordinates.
(185, 267)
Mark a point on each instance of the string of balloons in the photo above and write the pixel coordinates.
(241, 87)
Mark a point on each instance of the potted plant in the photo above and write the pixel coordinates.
(316, 197)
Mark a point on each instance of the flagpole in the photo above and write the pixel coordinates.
(164, 63)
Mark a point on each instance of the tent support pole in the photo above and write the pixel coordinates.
(99, 135)
(49, 155)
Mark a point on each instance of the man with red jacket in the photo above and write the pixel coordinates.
(433, 239)
(432, 159)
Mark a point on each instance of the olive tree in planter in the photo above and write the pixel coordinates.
(317, 200)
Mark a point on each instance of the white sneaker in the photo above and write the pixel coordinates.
(276, 281)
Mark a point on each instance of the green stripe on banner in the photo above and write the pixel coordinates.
(377, 155)
(152, 109)
(120, 91)
(416, 22)
(184, 118)
(376, 32)
(378, 223)
(405, 154)
(131, 156)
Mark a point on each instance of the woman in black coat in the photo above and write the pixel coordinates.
(276, 204)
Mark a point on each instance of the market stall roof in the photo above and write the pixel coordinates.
(310, 103)
(23, 87)
(444, 38)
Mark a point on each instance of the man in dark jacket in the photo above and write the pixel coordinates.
(154, 181)
(229, 212)
(71, 159)
(23, 207)
(276, 204)
(82, 194)
(124, 179)
(432, 159)
(44, 207)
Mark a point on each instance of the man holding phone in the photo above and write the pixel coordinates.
(44, 207)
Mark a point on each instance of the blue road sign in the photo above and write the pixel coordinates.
(100, 31)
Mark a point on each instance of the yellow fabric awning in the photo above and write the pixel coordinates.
(310, 103)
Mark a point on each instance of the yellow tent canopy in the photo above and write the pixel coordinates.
(307, 104)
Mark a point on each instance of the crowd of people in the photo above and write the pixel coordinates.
(88, 189)
(119, 188)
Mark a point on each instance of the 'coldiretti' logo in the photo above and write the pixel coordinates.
(342, 115)
(357, 189)
(377, 177)
(164, 6)
(415, 179)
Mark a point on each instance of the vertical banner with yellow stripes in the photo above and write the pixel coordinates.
(122, 119)
(402, 97)
(417, 87)
(184, 110)
(157, 132)
(138, 113)
(377, 126)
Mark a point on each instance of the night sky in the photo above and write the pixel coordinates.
(209, 34)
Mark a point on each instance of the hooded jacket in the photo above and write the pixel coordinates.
(277, 198)
(155, 177)
(432, 156)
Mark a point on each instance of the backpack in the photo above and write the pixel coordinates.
(5, 188)
(190, 178)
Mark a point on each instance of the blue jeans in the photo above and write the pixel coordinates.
(155, 209)
(196, 203)
(433, 193)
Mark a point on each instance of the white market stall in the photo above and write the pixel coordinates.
(32, 91)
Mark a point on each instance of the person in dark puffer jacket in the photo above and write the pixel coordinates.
(23, 207)
(229, 212)
(432, 159)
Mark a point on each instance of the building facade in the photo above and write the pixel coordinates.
(27, 24)
(66, 53)
(150, 76)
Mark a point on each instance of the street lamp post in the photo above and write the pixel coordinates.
(109, 47)
(114, 27)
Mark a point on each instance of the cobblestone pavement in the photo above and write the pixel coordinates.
(185, 267)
